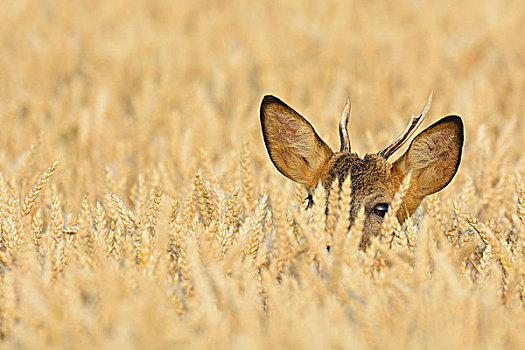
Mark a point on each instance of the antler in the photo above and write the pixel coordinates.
(343, 124)
(414, 123)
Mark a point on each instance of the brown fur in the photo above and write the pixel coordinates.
(301, 155)
(294, 147)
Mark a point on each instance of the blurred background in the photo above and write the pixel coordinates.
(144, 86)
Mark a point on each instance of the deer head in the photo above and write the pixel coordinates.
(302, 156)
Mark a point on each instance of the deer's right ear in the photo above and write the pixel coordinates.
(433, 156)
(292, 143)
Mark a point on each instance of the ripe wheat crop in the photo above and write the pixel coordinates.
(139, 209)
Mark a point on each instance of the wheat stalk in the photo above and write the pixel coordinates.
(390, 217)
(31, 197)
(247, 177)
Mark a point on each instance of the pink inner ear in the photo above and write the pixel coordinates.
(436, 147)
(287, 130)
(439, 146)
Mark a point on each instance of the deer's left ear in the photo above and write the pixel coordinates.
(293, 145)
(433, 156)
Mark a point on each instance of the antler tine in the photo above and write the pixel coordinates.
(412, 126)
(343, 124)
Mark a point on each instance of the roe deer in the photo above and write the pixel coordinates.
(302, 156)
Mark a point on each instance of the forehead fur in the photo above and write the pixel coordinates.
(367, 172)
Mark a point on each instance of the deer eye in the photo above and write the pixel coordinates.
(380, 209)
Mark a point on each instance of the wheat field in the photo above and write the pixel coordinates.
(139, 208)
